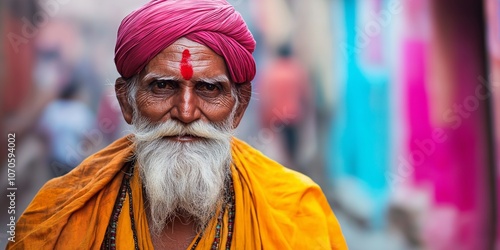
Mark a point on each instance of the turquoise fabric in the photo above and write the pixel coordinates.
(359, 140)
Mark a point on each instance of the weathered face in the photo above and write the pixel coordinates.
(187, 82)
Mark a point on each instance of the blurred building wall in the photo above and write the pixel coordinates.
(492, 16)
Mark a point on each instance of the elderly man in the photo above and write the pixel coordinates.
(181, 181)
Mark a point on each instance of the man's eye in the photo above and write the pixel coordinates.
(163, 84)
(210, 87)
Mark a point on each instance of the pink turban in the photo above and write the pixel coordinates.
(214, 23)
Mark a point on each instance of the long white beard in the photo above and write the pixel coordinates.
(183, 176)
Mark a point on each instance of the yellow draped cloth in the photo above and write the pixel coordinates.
(276, 208)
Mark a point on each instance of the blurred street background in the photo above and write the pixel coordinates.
(392, 106)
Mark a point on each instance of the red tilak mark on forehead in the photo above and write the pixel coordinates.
(186, 67)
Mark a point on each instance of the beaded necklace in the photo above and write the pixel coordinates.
(110, 236)
(109, 242)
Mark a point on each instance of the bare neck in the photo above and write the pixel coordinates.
(177, 234)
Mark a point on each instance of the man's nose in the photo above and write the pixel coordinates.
(186, 106)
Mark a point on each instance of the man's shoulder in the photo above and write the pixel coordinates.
(74, 193)
(290, 202)
(96, 166)
(284, 184)
(86, 178)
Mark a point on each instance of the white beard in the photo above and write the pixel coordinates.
(183, 176)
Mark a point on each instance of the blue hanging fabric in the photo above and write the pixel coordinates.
(358, 150)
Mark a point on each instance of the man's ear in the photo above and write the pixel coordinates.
(244, 91)
(122, 93)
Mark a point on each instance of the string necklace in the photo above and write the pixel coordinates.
(110, 236)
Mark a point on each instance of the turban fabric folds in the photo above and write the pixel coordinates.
(147, 31)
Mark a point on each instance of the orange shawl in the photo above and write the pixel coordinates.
(276, 208)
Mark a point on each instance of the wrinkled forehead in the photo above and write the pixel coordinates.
(186, 53)
(197, 51)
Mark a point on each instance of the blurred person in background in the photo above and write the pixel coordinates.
(295, 50)
(181, 181)
(286, 108)
(65, 123)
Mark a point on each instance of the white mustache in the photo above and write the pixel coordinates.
(148, 132)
